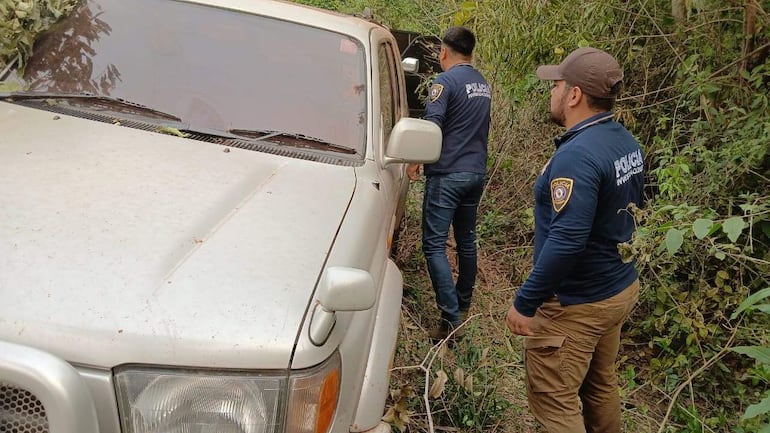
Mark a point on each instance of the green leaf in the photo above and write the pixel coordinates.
(764, 429)
(765, 308)
(701, 227)
(9, 86)
(465, 14)
(761, 354)
(750, 301)
(733, 228)
(171, 131)
(757, 409)
(720, 255)
(468, 6)
(747, 207)
(765, 226)
(674, 240)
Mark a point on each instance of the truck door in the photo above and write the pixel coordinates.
(391, 108)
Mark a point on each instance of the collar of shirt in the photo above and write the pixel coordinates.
(591, 121)
(459, 64)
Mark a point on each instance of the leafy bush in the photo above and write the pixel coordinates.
(760, 353)
(697, 99)
(472, 398)
(696, 96)
(21, 21)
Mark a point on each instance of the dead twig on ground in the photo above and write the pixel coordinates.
(427, 364)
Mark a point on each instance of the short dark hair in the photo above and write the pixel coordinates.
(459, 39)
(599, 104)
(604, 104)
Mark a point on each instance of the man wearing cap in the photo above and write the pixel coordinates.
(579, 293)
(459, 103)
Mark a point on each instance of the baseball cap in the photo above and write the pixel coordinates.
(593, 70)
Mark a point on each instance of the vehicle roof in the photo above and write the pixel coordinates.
(287, 11)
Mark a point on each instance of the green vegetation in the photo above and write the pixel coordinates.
(696, 96)
(21, 21)
(696, 355)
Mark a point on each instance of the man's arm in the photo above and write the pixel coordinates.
(438, 100)
(574, 183)
(435, 111)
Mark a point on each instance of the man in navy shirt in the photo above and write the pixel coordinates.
(579, 293)
(459, 103)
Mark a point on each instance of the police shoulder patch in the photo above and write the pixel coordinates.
(561, 191)
(435, 92)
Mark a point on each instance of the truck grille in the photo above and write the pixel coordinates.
(20, 411)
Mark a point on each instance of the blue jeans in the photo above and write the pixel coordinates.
(451, 199)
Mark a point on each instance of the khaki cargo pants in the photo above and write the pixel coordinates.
(570, 361)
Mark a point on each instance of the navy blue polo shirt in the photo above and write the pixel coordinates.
(596, 171)
(459, 103)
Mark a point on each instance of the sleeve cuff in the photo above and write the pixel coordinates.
(524, 308)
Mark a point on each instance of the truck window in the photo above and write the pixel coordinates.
(211, 67)
(390, 101)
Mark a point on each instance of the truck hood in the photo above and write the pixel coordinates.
(124, 246)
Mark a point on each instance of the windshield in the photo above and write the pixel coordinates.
(213, 68)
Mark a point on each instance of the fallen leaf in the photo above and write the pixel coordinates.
(468, 384)
(171, 131)
(437, 388)
(390, 415)
(459, 375)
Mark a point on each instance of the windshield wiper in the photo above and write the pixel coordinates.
(85, 96)
(290, 138)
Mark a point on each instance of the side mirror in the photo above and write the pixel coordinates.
(346, 289)
(340, 289)
(413, 141)
(410, 65)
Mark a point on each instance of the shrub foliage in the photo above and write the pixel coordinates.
(21, 21)
(696, 96)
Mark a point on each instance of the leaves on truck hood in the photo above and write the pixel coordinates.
(10, 86)
(171, 131)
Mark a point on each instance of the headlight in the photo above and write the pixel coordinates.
(152, 400)
(178, 401)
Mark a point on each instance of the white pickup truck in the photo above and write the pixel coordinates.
(197, 201)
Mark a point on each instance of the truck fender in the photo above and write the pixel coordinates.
(376, 385)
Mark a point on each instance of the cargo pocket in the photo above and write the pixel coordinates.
(543, 360)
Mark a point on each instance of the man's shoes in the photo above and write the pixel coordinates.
(463, 315)
(443, 330)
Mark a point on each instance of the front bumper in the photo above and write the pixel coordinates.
(56, 389)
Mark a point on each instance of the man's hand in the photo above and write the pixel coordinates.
(517, 322)
(413, 171)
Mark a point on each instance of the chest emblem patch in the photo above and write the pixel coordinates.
(561, 191)
(435, 92)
